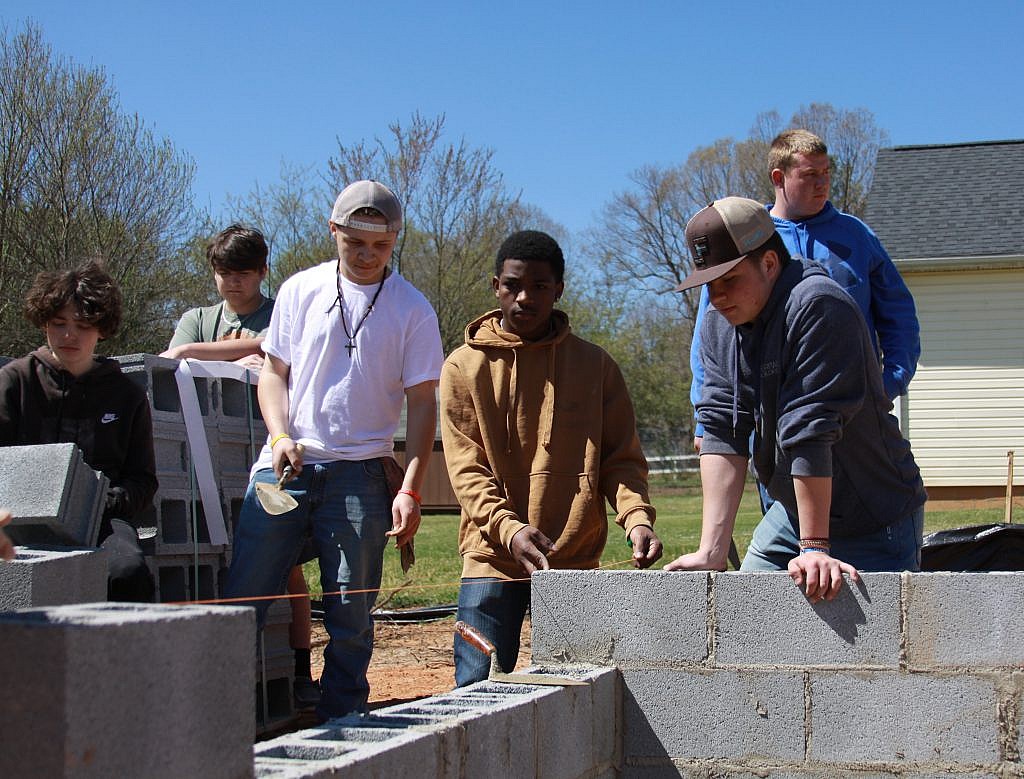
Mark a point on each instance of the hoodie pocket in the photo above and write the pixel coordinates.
(566, 508)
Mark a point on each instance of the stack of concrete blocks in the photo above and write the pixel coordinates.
(275, 670)
(56, 498)
(53, 577)
(185, 564)
(739, 675)
(118, 689)
(489, 729)
(235, 432)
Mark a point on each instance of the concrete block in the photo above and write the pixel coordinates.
(156, 376)
(965, 620)
(119, 689)
(499, 741)
(577, 726)
(239, 404)
(171, 450)
(178, 515)
(764, 618)
(236, 452)
(53, 577)
(735, 714)
(355, 747)
(892, 717)
(182, 578)
(624, 618)
(56, 498)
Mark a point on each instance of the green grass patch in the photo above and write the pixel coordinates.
(434, 579)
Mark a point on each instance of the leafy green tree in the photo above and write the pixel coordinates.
(78, 179)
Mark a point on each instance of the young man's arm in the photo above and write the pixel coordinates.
(136, 485)
(697, 367)
(421, 421)
(721, 479)
(821, 573)
(272, 392)
(896, 325)
(228, 350)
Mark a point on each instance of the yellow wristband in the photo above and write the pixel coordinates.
(278, 437)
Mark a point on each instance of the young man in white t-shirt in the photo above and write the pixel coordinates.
(348, 342)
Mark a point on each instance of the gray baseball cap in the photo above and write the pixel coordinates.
(721, 236)
(367, 194)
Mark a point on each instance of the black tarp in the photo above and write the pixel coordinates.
(996, 547)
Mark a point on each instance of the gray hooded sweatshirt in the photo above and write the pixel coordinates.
(803, 378)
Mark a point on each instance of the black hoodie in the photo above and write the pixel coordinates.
(102, 411)
(804, 376)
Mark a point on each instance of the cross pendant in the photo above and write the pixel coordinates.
(349, 347)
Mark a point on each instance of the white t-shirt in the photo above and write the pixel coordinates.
(343, 407)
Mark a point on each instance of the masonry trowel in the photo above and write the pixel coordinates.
(272, 497)
(477, 640)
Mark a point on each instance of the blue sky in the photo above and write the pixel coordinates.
(571, 96)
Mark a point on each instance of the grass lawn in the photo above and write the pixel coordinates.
(434, 579)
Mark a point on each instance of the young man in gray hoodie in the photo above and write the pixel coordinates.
(789, 359)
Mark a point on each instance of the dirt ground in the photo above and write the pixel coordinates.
(410, 661)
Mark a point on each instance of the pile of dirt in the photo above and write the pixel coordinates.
(410, 661)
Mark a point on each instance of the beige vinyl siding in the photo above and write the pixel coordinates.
(965, 407)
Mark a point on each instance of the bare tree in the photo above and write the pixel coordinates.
(641, 230)
(292, 213)
(853, 141)
(80, 179)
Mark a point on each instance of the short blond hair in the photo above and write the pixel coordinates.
(789, 143)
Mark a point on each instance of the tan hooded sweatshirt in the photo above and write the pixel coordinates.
(538, 433)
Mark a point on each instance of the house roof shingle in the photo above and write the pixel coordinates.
(953, 200)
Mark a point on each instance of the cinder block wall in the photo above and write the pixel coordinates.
(730, 674)
(489, 729)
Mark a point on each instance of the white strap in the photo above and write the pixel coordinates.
(195, 431)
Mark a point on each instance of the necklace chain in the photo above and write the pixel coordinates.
(340, 301)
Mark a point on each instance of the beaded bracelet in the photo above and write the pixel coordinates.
(412, 494)
(815, 542)
(278, 437)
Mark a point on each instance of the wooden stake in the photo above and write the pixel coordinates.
(1009, 488)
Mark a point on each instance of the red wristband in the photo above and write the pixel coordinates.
(412, 494)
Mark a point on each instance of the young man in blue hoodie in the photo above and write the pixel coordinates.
(848, 492)
(811, 227)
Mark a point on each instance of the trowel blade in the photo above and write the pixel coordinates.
(274, 499)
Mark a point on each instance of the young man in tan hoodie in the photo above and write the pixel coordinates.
(538, 431)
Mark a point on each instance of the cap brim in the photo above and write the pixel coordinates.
(700, 277)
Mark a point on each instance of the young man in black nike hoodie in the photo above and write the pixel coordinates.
(64, 393)
(789, 361)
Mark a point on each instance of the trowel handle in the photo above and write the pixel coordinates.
(474, 638)
(289, 471)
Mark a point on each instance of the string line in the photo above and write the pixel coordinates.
(406, 586)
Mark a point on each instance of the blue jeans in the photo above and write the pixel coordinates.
(496, 608)
(896, 547)
(346, 506)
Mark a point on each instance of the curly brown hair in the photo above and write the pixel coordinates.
(93, 292)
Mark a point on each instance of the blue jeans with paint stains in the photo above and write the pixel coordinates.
(346, 507)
